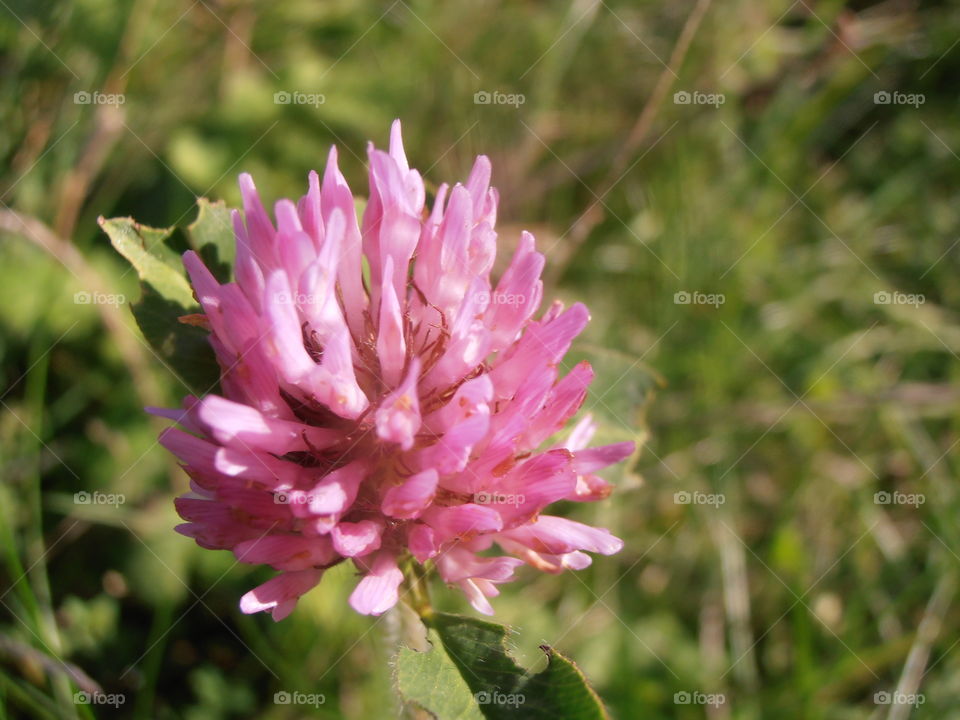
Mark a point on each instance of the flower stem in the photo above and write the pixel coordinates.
(417, 592)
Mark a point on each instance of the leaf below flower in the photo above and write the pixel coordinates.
(469, 674)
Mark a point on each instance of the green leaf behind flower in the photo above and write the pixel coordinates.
(156, 263)
(470, 674)
(166, 293)
(211, 236)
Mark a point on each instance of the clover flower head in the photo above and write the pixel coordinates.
(383, 401)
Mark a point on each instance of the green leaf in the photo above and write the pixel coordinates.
(167, 296)
(211, 236)
(469, 674)
(157, 265)
(183, 349)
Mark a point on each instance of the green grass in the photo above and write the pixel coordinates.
(798, 398)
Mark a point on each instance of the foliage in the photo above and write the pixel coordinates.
(796, 400)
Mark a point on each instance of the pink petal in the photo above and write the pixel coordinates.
(232, 423)
(377, 592)
(356, 539)
(458, 564)
(462, 520)
(192, 451)
(336, 196)
(534, 484)
(542, 346)
(587, 461)
(409, 499)
(334, 493)
(285, 337)
(581, 434)
(420, 540)
(471, 397)
(310, 210)
(471, 588)
(391, 347)
(259, 228)
(590, 488)
(185, 416)
(452, 450)
(286, 551)
(479, 183)
(247, 268)
(557, 535)
(212, 524)
(521, 291)
(398, 418)
(318, 285)
(564, 400)
(279, 595)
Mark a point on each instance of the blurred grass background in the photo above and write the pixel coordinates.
(796, 399)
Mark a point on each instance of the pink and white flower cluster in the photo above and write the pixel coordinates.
(382, 399)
